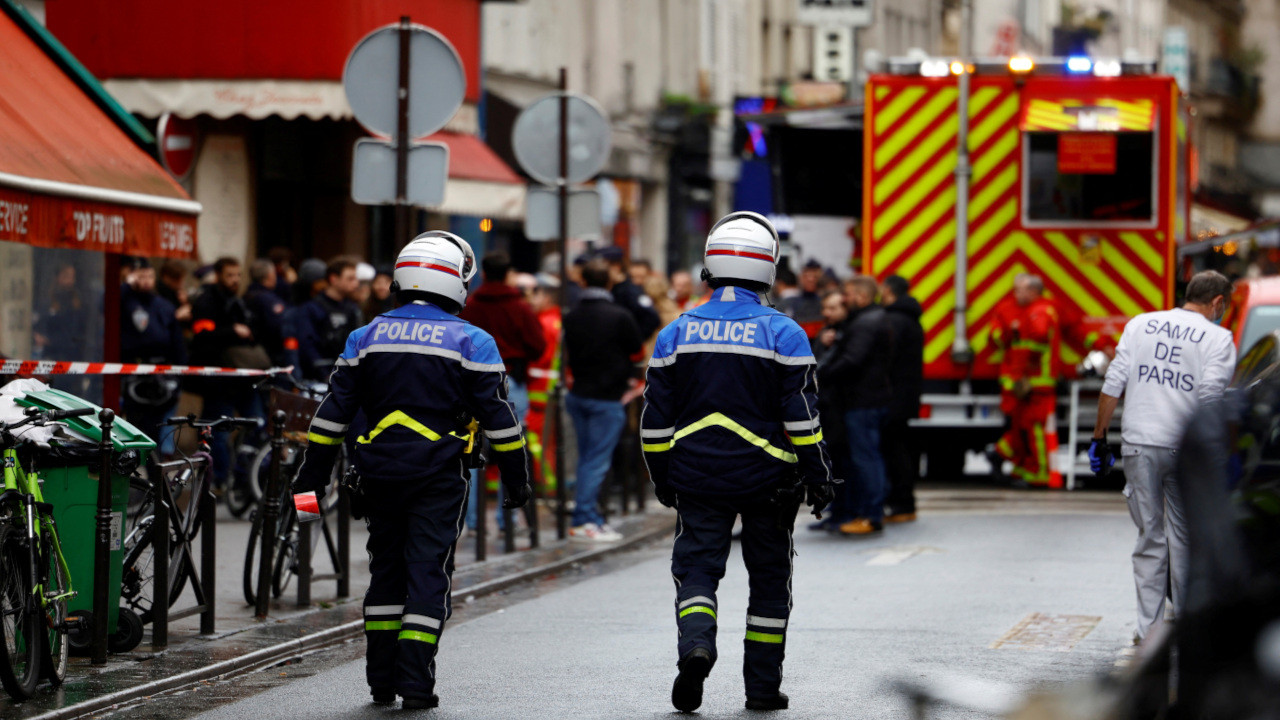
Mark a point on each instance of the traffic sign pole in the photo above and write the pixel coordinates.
(563, 187)
(402, 141)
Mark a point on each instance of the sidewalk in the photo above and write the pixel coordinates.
(241, 641)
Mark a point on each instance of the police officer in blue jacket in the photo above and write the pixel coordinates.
(729, 427)
(420, 375)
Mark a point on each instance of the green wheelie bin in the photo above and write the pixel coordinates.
(72, 490)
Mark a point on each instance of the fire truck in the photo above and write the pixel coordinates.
(1075, 170)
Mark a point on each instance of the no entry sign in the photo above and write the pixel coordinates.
(177, 139)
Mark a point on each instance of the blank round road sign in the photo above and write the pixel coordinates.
(371, 79)
(537, 133)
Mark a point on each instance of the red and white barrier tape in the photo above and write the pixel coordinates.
(56, 367)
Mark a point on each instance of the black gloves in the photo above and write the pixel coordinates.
(517, 497)
(819, 496)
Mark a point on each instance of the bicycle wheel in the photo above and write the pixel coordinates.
(261, 470)
(284, 544)
(238, 498)
(19, 619)
(138, 578)
(53, 660)
(249, 579)
(140, 500)
(286, 555)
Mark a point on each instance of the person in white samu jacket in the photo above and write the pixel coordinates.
(1167, 365)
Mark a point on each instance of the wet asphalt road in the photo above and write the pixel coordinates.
(923, 602)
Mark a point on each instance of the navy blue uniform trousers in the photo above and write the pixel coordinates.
(414, 527)
(704, 534)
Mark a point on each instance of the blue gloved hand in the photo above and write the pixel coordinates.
(1100, 458)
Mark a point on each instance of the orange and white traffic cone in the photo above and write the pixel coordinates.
(1055, 458)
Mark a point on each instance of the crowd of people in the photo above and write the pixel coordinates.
(268, 313)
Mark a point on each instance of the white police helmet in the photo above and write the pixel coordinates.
(743, 246)
(436, 262)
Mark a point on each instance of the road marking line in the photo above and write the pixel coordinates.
(896, 555)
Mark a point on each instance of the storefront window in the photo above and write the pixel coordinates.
(52, 309)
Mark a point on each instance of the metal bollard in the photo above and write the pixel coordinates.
(270, 515)
(160, 543)
(562, 498)
(531, 516)
(208, 557)
(344, 543)
(482, 511)
(508, 530)
(102, 544)
(304, 563)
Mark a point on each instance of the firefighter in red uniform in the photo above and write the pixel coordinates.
(1078, 336)
(1027, 334)
(544, 374)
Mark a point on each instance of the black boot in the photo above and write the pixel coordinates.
(418, 703)
(383, 696)
(775, 702)
(686, 693)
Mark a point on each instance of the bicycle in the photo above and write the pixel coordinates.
(137, 579)
(35, 583)
(299, 405)
(286, 540)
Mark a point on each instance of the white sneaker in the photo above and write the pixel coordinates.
(591, 532)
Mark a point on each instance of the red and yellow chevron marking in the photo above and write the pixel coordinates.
(909, 219)
(1106, 114)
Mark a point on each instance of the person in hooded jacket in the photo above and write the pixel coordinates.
(906, 374)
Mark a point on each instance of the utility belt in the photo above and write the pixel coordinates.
(353, 484)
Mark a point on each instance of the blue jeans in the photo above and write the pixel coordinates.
(598, 424)
(518, 394)
(869, 486)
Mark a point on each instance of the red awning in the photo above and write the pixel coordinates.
(471, 159)
(69, 176)
(480, 183)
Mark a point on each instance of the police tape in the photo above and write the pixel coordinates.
(27, 368)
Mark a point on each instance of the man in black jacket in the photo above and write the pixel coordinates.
(630, 296)
(149, 333)
(327, 319)
(906, 373)
(860, 370)
(268, 310)
(825, 345)
(223, 328)
(600, 338)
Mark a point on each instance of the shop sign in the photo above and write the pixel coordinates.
(57, 222)
(814, 93)
(1086, 154)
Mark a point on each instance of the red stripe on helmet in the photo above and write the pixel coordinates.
(740, 253)
(429, 266)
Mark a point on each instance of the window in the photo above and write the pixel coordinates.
(1263, 320)
(1124, 194)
